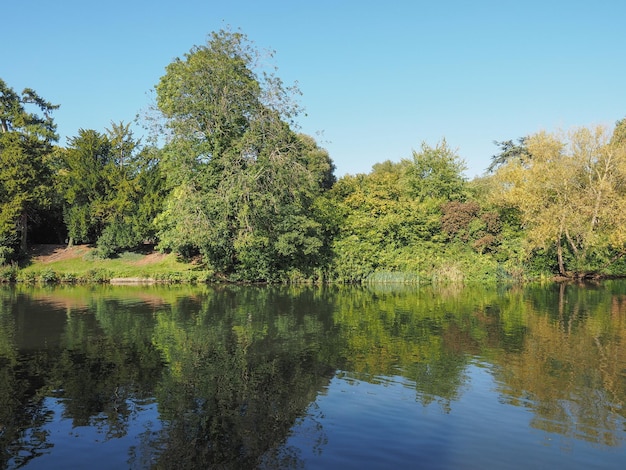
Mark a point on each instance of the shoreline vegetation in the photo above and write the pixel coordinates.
(58, 264)
(226, 189)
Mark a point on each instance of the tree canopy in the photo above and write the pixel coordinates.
(228, 181)
(27, 134)
(571, 195)
(244, 184)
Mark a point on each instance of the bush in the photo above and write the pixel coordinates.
(69, 278)
(48, 276)
(8, 273)
(205, 276)
(92, 255)
(117, 237)
(29, 277)
(98, 275)
(171, 277)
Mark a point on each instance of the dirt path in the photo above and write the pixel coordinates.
(50, 253)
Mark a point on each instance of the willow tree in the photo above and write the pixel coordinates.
(243, 183)
(572, 195)
(27, 135)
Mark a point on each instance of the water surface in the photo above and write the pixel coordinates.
(338, 377)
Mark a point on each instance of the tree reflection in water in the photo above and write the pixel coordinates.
(229, 372)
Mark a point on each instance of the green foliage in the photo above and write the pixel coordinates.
(69, 278)
(117, 236)
(235, 187)
(85, 184)
(509, 151)
(26, 139)
(48, 276)
(243, 185)
(112, 189)
(6, 249)
(98, 275)
(27, 276)
(437, 173)
(399, 223)
(8, 272)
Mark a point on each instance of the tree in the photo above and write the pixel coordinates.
(619, 133)
(437, 173)
(26, 144)
(111, 189)
(391, 220)
(571, 195)
(509, 151)
(135, 192)
(85, 185)
(243, 183)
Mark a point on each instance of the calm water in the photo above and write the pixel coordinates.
(260, 377)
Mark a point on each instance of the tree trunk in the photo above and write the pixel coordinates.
(559, 254)
(24, 234)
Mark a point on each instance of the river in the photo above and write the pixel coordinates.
(171, 377)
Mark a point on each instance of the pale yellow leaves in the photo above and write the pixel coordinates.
(571, 192)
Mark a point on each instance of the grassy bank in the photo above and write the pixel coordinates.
(57, 263)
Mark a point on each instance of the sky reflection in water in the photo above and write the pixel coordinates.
(313, 378)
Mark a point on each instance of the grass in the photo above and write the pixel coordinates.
(86, 268)
(393, 277)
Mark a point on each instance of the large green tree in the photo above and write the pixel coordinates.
(85, 185)
(437, 172)
(111, 187)
(27, 135)
(244, 185)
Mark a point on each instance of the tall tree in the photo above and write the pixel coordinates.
(85, 184)
(111, 188)
(509, 151)
(571, 195)
(437, 173)
(134, 196)
(243, 183)
(27, 135)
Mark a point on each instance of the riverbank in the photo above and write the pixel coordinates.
(76, 264)
(49, 264)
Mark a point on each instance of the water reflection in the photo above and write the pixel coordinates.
(241, 377)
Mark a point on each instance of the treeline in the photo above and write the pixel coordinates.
(226, 180)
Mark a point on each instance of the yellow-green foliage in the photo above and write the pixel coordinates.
(571, 192)
(393, 229)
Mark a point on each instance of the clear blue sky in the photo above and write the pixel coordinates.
(378, 78)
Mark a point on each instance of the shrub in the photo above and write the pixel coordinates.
(171, 277)
(98, 275)
(48, 276)
(69, 278)
(116, 237)
(8, 273)
(29, 277)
